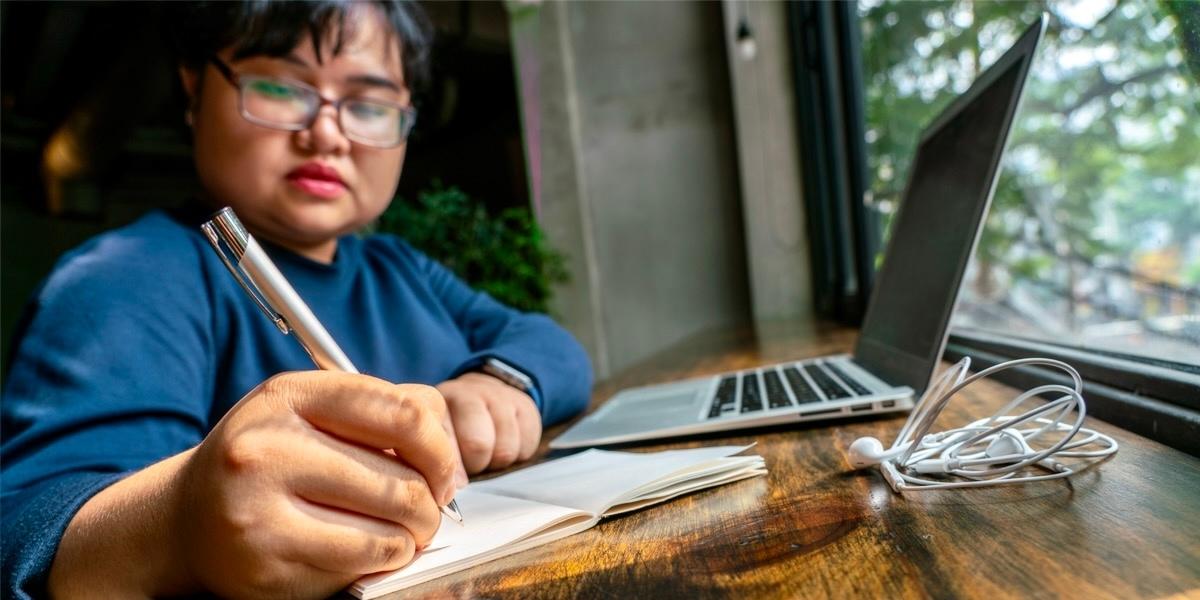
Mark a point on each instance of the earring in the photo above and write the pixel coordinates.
(188, 117)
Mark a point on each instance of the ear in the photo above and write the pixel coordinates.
(190, 78)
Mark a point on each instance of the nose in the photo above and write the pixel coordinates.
(324, 135)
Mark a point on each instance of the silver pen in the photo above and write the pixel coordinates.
(261, 279)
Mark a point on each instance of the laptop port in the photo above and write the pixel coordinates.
(860, 407)
(814, 413)
(888, 404)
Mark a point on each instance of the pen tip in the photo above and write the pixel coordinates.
(451, 510)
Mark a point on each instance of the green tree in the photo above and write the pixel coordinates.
(1098, 206)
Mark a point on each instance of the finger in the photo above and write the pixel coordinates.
(529, 422)
(341, 475)
(460, 471)
(377, 414)
(508, 435)
(476, 434)
(341, 542)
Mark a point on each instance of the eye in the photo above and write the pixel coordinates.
(369, 110)
(274, 90)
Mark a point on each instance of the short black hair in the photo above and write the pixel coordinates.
(198, 30)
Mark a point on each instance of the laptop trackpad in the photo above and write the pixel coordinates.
(652, 404)
(637, 411)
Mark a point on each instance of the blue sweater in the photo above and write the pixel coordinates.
(140, 340)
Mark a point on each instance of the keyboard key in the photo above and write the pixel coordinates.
(858, 388)
(777, 397)
(751, 393)
(832, 390)
(724, 396)
(804, 392)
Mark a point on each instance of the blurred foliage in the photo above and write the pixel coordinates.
(1102, 169)
(505, 255)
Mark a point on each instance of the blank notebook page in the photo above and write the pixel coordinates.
(594, 480)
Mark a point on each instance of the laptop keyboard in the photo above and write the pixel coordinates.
(751, 393)
(858, 388)
(805, 394)
(825, 381)
(832, 390)
(725, 400)
(776, 396)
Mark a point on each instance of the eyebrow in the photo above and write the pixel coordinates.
(375, 81)
(363, 79)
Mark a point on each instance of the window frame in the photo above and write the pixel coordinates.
(1154, 398)
(826, 48)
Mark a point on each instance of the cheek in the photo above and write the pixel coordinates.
(234, 158)
(379, 173)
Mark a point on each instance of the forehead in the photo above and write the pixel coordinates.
(357, 36)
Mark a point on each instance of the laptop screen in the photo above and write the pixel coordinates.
(939, 218)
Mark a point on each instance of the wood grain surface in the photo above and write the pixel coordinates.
(1129, 528)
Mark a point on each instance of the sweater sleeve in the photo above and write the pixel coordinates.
(108, 375)
(531, 342)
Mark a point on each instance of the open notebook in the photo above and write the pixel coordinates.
(558, 498)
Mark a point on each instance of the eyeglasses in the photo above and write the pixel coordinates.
(293, 106)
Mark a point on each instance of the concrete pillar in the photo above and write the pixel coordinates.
(769, 155)
(629, 138)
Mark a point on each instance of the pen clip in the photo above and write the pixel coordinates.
(224, 227)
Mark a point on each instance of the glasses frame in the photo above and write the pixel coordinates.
(408, 114)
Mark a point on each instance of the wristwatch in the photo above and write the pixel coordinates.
(508, 374)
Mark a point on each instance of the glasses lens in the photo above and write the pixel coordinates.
(277, 102)
(376, 123)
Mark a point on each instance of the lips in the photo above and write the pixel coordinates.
(317, 180)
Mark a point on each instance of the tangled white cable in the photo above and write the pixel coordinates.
(990, 451)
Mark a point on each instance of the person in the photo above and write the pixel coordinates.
(161, 436)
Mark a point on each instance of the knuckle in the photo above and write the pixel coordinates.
(244, 455)
(476, 444)
(243, 524)
(265, 580)
(393, 552)
(406, 411)
(280, 383)
(405, 497)
(429, 395)
(504, 456)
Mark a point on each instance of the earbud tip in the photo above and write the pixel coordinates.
(865, 451)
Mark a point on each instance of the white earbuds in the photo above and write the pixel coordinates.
(868, 451)
(989, 451)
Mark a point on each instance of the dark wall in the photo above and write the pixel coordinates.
(92, 133)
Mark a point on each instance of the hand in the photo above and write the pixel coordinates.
(294, 493)
(495, 423)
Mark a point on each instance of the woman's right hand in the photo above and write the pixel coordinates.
(312, 480)
(295, 493)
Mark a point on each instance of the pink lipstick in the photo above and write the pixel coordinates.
(318, 180)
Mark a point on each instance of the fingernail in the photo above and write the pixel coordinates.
(460, 479)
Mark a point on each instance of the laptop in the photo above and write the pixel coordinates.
(950, 186)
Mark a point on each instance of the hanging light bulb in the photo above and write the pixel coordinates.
(746, 46)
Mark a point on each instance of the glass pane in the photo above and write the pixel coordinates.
(1094, 234)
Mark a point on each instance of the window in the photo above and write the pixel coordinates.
(1093, 240)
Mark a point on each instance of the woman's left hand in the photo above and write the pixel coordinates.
(495, 423)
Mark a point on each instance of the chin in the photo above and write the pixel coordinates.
(317, 233)
(320, 222)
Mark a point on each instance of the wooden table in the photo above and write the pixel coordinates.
(813, 528)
